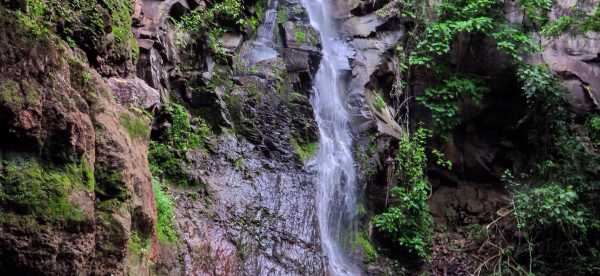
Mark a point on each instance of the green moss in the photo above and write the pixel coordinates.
(136, 127)
(110, 184)
(300, 36)
(304, 151)
(120, 11)
(138, 245)
(135, 49)
(379, 102)
(32, 94)
(28, 188)
(167, 153)
(362, 241)
(79, 75)
(165, 224)
(10, 94)
(33, 19)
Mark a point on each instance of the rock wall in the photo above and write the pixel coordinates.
(59, 111)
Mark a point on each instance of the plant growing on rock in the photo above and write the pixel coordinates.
(167, 152)
(408, 221)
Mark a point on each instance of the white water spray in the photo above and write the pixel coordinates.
(336, 198)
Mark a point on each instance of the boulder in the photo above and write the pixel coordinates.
(135, 92)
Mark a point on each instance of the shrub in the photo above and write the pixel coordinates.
(443, 101)
(408, 221)
(593, 128)
(547, 205)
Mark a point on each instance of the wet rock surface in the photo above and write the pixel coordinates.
(255, 215)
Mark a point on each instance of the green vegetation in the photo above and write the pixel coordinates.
(379, 102)
(362, 241)
(10, 94)
(220, 17)
(304, 150)
(300, 36)
(30, 189)
(557, 27)
(444, 100)
(167, 152)
(82, 23)
(165, 224)
(138, 245)
(136, 127)
(558, 211)
(576, 22)
(408, 221)
(593, 128)
(282, 15)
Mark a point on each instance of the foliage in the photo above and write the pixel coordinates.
(300, 36)
(222, 16)
(443, 101)
(547, 205)
(557, 211)
(591, 23)
(593, 128)
(137, 127)
(379, 102)
(440, 159)
(82, 23)
(167, 152)
(408, 221)
(138, 245)
(304, 150)
(29, 188)
(362, 241)
(536, 10)
(165, 222)
(577, 21)
(557, 27)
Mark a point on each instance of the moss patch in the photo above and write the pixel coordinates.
(136, 127)
(305, 151)
(10, 95)
(362, 241)
(29, 188)
(165, 224)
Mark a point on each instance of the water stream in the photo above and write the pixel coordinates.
(334, 162)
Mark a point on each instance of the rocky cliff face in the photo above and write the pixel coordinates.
(254, 211)
(75, 182)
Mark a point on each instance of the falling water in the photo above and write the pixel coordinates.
(336, 198)
(262, 47)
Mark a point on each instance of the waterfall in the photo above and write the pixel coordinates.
(334, 162)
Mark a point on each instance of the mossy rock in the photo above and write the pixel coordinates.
(30, 189)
